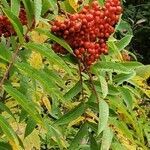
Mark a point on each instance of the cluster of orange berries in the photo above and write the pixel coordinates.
(6, 28)
(87, 31)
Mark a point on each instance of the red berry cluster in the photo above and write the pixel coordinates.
(87, 31)
(22, 16)
(6, 28)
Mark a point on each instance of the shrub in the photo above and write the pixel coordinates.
(61, 101)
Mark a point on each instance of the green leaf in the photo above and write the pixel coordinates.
(118, 146)
(127, 96)
(65, 5)
(5, 146)
(24, 102)
(92, 98)
(93, 106)
(113, 49)
(50, 4)
(72, 115)
(53, 131)
(37, 10)
(13, 42)
(103, 115)
(56, 39)
(3, 107)
(101, 2)
(132, 65)
(113, 90)
(116, 102)
(78, 137)
(4, 53)
(121, 44)
(4, 3)
(111, 66)
(93, 126)
(31, 124)
(9, 132)
(143, 71)
(23, 115)
(40, 76)
(122, 127)
(29, 10)
(54, 76)
(73, 91)
(104, 85)
(15, 6)
(120, 78)
(147, 131)
(93, 143)
(16, 24)
(124, 26)
(106, 138)
(50, 54)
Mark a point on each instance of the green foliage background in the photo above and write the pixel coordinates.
(47, 103)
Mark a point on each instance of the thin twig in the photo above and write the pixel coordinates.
(9, 66)
(92, 83)
(81, 80)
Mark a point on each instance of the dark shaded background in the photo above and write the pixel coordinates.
(137, 14)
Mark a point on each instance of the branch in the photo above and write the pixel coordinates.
(81, 80)
(14, 56)
(92, 83)
(9, 66)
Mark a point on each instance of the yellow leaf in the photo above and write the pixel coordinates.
(35, 60)
(92, 115)
(74, 4)
(141, 82)
(14, 146)
(46, 102)
(90, 120)
(2, 66)
(76, 121)
(32, 141)
(123, 140)
(40, 38)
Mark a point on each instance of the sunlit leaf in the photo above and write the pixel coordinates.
(37, 10)
(15, 6)
(127, 96)
(121, 44)
(104, 86)
(103, 116)
(106, 138)
(111, 66)
(29, 7)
